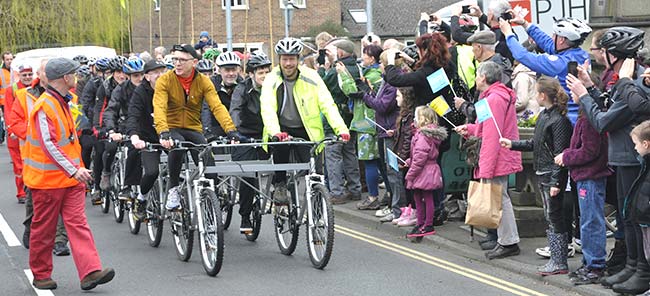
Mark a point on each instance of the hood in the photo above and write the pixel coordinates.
(501, 60)
(433, 131)
(499, 88)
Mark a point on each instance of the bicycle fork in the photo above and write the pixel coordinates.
(199, 185)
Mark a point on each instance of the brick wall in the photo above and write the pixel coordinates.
(316, 12)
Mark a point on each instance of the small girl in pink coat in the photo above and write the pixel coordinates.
(424, 174)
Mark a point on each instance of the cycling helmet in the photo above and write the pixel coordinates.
(205, 66)
(228, 58)
(257, 59)
(211, 54)
(81, 59)
(169, 62)
(133, 65)
(102, 64)
(623, 42)
(288, 46)
(117, 62)
(83, 71)
(572, 28)
(92, 61)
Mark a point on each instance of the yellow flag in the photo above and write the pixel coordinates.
(440, 106)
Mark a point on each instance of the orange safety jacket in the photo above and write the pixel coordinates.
(52, 150)
(10, 98)
(5, 80)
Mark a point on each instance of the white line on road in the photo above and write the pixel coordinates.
(39, 292)
(8, 234)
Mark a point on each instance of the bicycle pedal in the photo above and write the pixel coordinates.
(318, 242)
(246, 232)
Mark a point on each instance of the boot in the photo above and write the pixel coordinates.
(621, 276)
(637, 283)
(557, 264)
(616, 258)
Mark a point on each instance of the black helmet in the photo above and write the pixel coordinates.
(623, 42)
(258, 59)
(205, 66)
(117, 62)
(81, 59)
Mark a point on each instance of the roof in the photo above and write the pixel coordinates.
(390, 17)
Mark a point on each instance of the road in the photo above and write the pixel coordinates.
(365, 262)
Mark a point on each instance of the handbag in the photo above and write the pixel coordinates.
(484, 204)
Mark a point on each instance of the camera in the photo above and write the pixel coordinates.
(397, 56)
(322, 53)
(506, 16)
(465, 9)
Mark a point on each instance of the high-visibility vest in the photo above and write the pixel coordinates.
(26, 101)
(5, 79)
(466, 65)
(39, 171)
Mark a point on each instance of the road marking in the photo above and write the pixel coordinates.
(446, 265)
(39, 292)
(8, 234)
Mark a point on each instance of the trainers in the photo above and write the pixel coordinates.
(503, 252)
(406, 212)
(97, 277)
(173, 199)
(246, 225)
(140, 209)
(96, 198)
(411, 220)
(61, 249)
(383, 212)
(589, 276)
(339, 199)
(105, 183)
(354, 196)
(576, 245)
(44, 284)
(388, 218)
(422, 231)
(125, 194)
(280, 194)
(414, 231)
(578, 272)
(368, 204)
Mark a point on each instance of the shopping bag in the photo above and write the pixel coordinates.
(483, 204)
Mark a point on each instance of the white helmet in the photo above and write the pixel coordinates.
(572, 28)
(288, 46)
(228, 58)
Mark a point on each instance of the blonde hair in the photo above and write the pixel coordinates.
(322, 39)
(425, 116)
(642, 131)
(383, 58)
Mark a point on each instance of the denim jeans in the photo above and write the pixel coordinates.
(591, 198)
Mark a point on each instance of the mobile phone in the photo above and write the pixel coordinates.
(465, 9)
(322, 54)
(397, 56)
(506, 16)
(573, 68)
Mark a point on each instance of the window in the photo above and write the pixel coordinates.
(235, 4)
(156, 5)
(409, 42)
(251, 46)
(296, 3)
(359, 15)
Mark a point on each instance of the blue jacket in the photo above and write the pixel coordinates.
(551, 63)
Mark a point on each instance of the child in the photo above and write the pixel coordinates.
(424, 174)
(638, 207)
(586, 159)
(404, 132)
(552, 135)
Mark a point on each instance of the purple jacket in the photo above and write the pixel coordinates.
(586, 157)
(494, 160)
(424, 172)
(385, 106)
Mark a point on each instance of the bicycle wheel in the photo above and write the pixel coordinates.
(134, 224)
(286, 226)
(227, 202)
(181, 224)
(106, 200)
(320, 230)
(116, 185)
(154, 216)
(211, 239)
(118, 207)
(256, 212)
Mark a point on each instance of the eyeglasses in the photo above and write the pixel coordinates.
(180, 60)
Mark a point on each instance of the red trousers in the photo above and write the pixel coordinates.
(14, 151)
(48, 204)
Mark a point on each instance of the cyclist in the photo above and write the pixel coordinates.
(81, 59)
(101, 101)
(140, 128)
(211, 54)
(114, 120)
(91, 65)
(82, 75)
(245, 113)
(224, 82)
(292, 101)
(205, 67)
(87, 139)
(178, 98)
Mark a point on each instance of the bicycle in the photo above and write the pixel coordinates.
(198, 197)
(156, 198)
(118, 172)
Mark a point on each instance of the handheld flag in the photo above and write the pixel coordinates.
(440, 106)
(438, 80)
(484, 112)
(391, 158)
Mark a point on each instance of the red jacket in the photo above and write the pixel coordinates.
(494, 160)
(424, 172)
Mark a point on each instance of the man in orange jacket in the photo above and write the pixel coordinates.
(25, 75)
(53, 172)
(5, 82)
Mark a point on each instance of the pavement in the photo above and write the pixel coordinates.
(455, 237)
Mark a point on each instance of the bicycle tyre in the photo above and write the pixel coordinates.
(106, 201)
(134, 224)
(118, 207)
(155, 214)
(226, 214)
(211, 250)
(322, 219)
(182, 230)
(256, 212)
(286, 226)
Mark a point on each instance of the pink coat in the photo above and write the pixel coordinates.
(424, 172)
(494, 160)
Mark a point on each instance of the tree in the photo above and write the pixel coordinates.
(328, 26)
